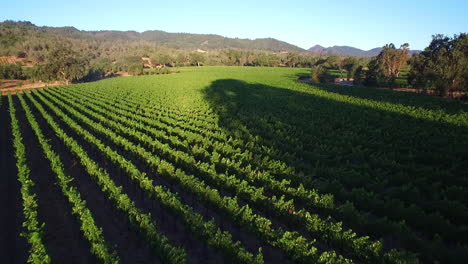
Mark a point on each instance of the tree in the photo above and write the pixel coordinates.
(65, 64)
(233, 57)
(443, 65)
(197, 58)
(336, 62)
(293, 59)
(181, 59)
(11, 71)
(134, 65)
(333, 61)
(162, 59)
(318, 74)
(373, 74)
(266, 59)
(350, 64)
(391, 60)
(358, 78)
(98, 70)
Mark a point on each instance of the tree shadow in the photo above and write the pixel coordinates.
(397, 157)
(332, 140)
(412, 99)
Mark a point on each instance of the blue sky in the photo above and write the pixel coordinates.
(361, 23)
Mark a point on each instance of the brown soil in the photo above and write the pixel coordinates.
(13, 247)
(168, 224)
(171, 226)
(13, 59)
(118, 74)
(62, 235)
(13, 85)
(117, 229)
(430, 92)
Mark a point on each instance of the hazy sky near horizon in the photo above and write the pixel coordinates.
(363, 24)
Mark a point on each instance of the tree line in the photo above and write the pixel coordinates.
(442, 66)
(71, 55)
(63, 60)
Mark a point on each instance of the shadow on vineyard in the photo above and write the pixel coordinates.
(14, 248)
(386, 166)
(410, 99)
(397, 97)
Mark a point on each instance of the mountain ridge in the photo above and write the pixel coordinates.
(188, 41)
(348, 50)
(175, 40)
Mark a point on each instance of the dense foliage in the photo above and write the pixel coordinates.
(443, 65)
(11, 71)
(385, 68)
(33, 229)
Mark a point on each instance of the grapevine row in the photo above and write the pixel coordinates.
(257, 178)
(349, 195)
(348, 212)
(90, 230)
(303, 251)
(360, 247)
(33, 230)
(193, 221)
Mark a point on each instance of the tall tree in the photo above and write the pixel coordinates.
(387, 65)
(66, 64)
(443, 65)
(197, 58)
(391, 60)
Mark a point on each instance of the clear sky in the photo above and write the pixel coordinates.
(363, 24)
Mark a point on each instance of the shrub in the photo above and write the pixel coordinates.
(318, 74)
(12, 71)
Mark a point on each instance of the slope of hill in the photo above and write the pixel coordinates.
(211, 41)
(173, 40)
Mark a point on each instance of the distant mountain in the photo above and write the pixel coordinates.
(317, 48)
(347, 50)
(210, 41)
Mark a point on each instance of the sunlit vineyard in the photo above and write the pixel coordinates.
(232, 165)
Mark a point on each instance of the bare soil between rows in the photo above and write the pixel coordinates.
(197, 250)
(62, 235)
(13, 247)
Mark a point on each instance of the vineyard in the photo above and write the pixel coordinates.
(232, 165)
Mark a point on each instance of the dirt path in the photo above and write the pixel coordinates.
(13, 85)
